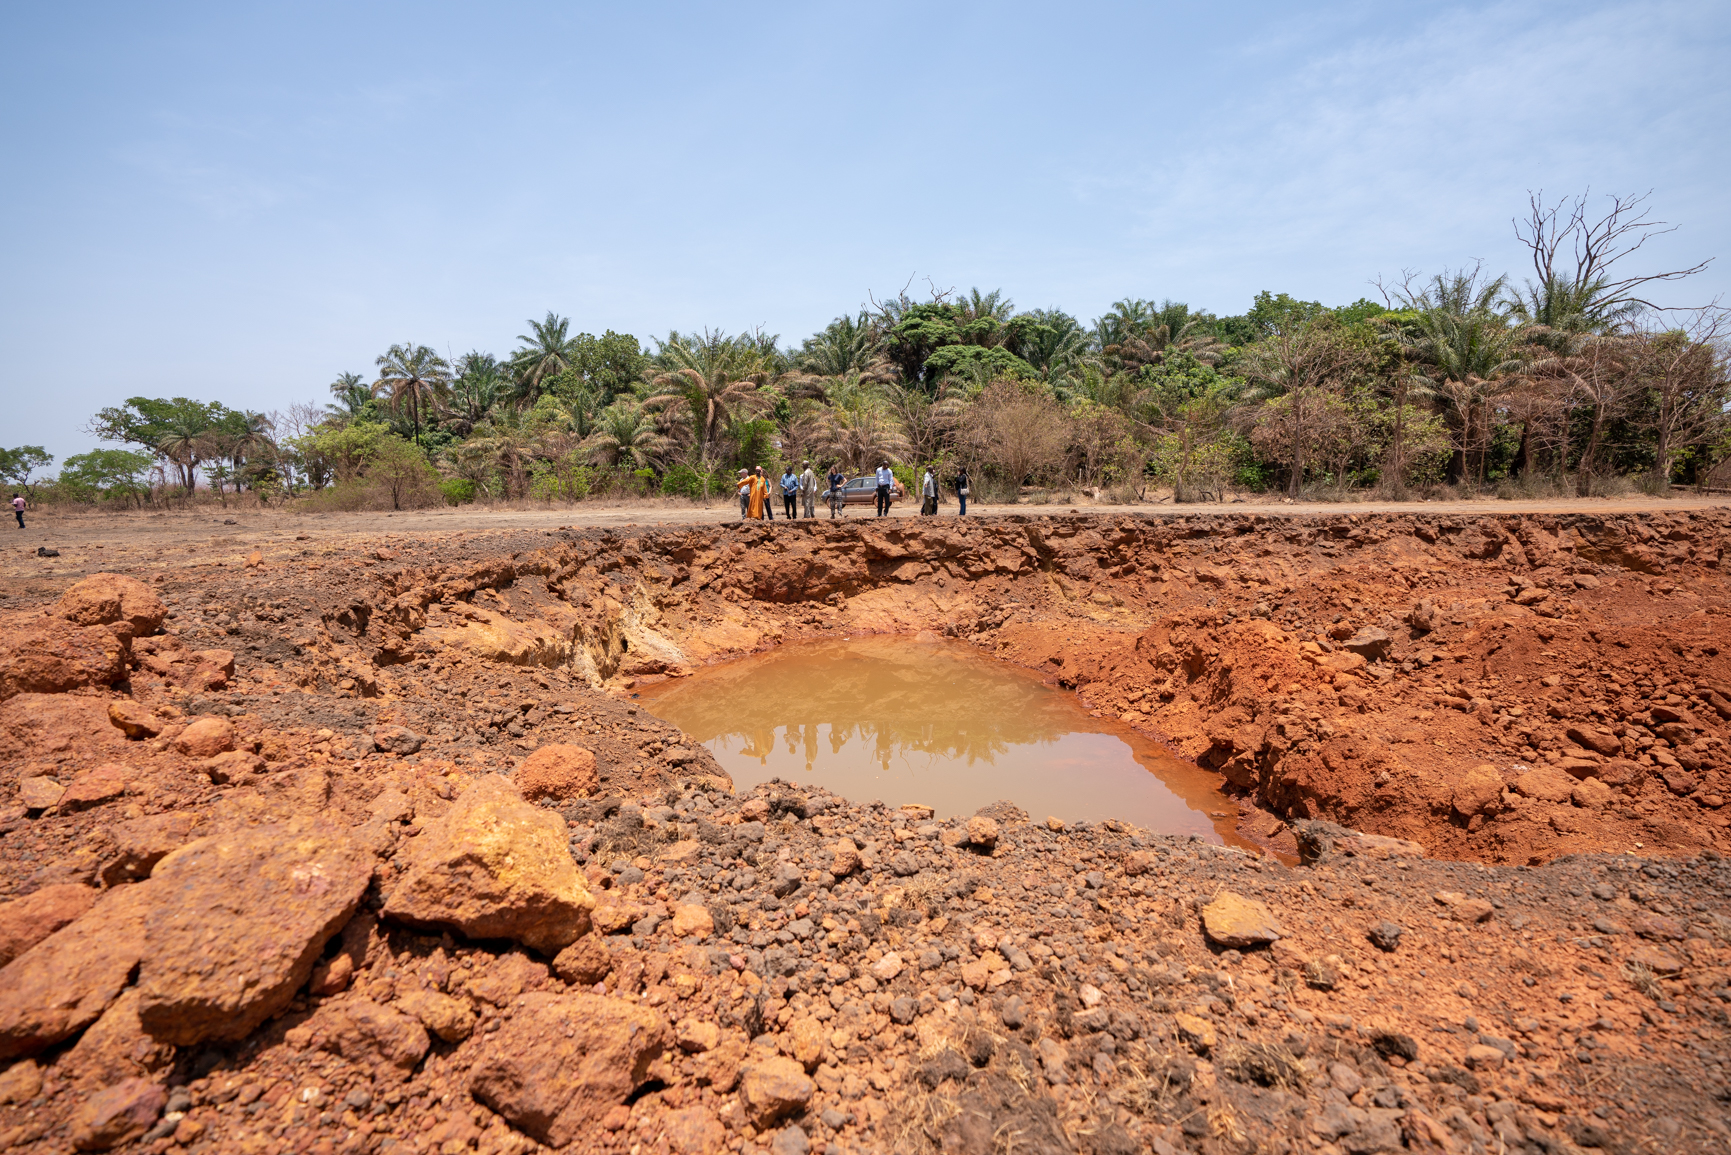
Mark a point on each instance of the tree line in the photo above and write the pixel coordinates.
(1573, 381)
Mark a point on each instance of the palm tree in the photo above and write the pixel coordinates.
(715, 375)
(546, 354)
(846, 345)
(478, 386)
(1466, 352)
(624, 433)
(412, 376)
(351, 392)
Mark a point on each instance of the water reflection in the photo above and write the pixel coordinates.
(937, 723)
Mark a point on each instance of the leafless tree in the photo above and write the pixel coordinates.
(1573, 254)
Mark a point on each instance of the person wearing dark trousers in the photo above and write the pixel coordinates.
(789, 493)
(928, 493)
(962, 490)
(885, 480)
(837, 491)
(763, 475)
(18, 508)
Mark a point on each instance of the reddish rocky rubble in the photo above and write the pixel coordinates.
(1495, 748)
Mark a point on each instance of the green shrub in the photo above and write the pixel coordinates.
(457, 490)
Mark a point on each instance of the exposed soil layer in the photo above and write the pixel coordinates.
(362, 847)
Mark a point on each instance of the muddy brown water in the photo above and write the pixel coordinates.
(903, 720)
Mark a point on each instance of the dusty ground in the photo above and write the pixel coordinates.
(1525, 712)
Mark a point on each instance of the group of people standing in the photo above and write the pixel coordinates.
(799, 492)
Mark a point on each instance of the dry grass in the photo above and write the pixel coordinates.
(1265, 1064)
(1642, 978)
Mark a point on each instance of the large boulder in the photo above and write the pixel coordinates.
(1232, 920)
(558, 771)
(126, 604)
(47, 655)
(494, 867)
(26, 921)
(238, 922)
(64, 983)
(561, 1062)
(1479, 790)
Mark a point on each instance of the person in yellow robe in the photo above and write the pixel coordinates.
(758, 498)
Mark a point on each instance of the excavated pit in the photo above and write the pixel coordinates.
(925, 721)
(281, 861)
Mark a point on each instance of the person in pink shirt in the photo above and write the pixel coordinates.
(18, 508)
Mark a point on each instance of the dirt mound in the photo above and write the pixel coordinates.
(268, 885)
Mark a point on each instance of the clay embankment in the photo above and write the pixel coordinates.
(267, 893)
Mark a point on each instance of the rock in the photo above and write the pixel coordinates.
(1464, 909)
(453, 1020)
(585, 962)
(1591, 794)
(887, 968)
(696, 1036)
(693, 1131)
(1320, 841)
(792, 1140)
(26, 921)
(692, 921)
(1346, 1079)
(396, 740)
(1422, 617)
(1196, 1031)
(110, 599)
(1232, 920)
(206, 738)
(39, 793)
(982, 832)
(1369, 643)
(45, 655)
(774, 1088)
(494, 867)
(1660, 962)
(238, 921)
(561, 1062)
(94, 787)
(64, 983)
(235, 767)
(132, 849)
(133, 719)
(331, 976)
(558, 771)
(1658, 926)
(1545, 783)
(115, 1047)
(1480, 1057)
(21, 1082)
(844, 857)
(1140, 862)
(1385, 935)
(380, 1039)
(116, 1115)
(803, 1040)
(1592, 738)
(1479, 790)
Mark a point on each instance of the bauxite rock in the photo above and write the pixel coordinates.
(238, 922)
(127, 604)
(1232, 920)
(558, 771)
(494, 867)
(561, 1062)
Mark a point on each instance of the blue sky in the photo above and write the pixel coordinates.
(238, 202)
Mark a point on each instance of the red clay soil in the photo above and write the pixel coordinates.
(364, 848)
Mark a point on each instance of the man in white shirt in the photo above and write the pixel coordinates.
(808, 490)
(928, 493)
(885, 480)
